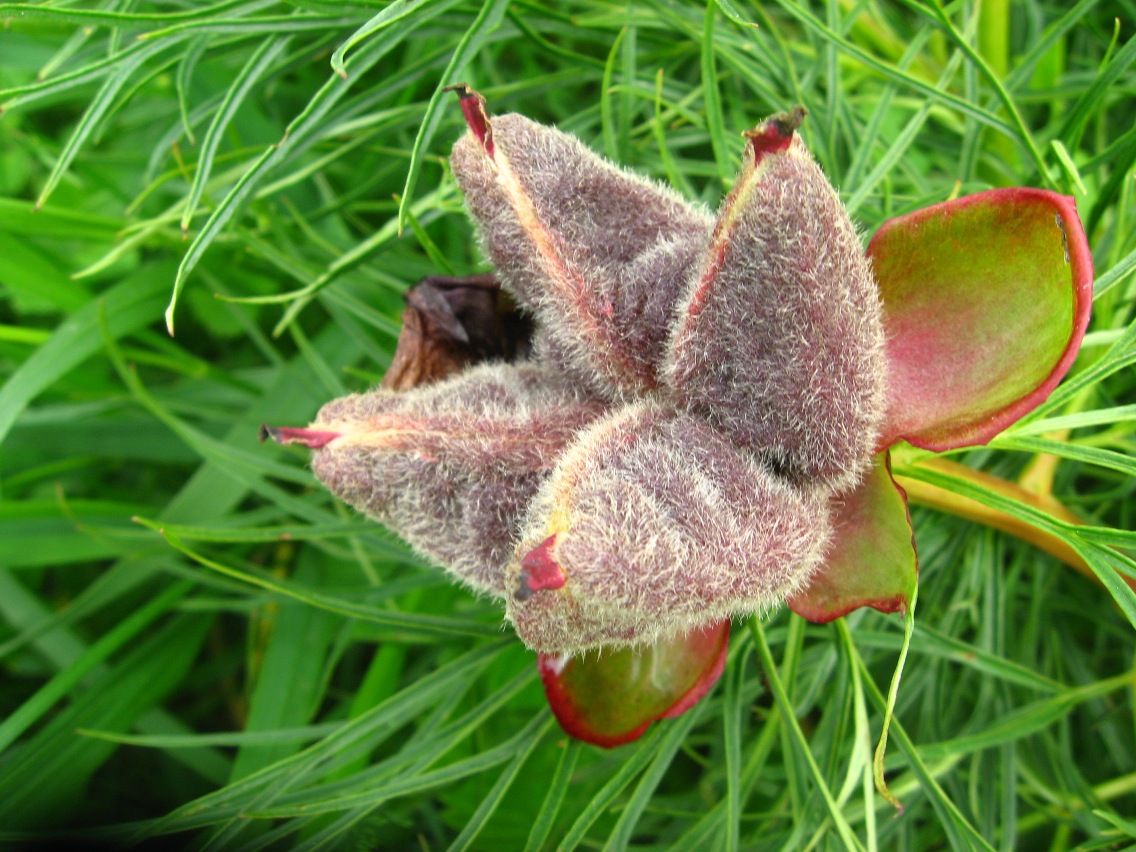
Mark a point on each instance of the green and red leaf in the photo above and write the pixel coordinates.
(610, 697)
(873, 560)
(986, 300)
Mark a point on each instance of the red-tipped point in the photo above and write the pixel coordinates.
(313, 439)
(539, 571)
(776, 132)
(476, 115)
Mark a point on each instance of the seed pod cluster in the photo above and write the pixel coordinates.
(700, 389)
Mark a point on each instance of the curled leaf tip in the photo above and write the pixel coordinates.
(539, 570)
(776, 132)
(313, 439)
(476, 115)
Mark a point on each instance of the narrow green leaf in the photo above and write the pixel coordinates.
(129, 305)
(381, 720)
(395, 11)
(906, 79)
(1115, 275)
(712, 101)
(554, 799)
(297, 134)
(119, 19)
(776, 685)
(610, 123)
(1081, 420)
(961, 833)
(1024, 722)
(94, 114)
(1067, 163)
(674, 735)
(486, 22)
(227, 739)
(676, 178)
(501, 787)
(1107, 78)
(186, 65)
(1108, 459)
(32, 709)
(256, 66)
(290, 684)
(889, 710)
(731, 737)
(411, 622)
(732, 12)
(45, 778)
(645, 751)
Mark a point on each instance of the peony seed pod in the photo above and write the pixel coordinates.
(778, 341)
(450, 467)
(652, 524)
(599, 255)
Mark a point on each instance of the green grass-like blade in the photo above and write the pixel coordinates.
(535, 733)
(731, 739)
(642, 755)
(961, 833)
(127, 306)
(97, 109)
(674, 735)
(298, 131)
(889, 710)
(483, 26)
(712, 102)
(554, 800)
(383, 719)
(412, 622)
(256, 66)
(61, 684)
(1091, 100)
(392, 13)
(904, 78)
(844, 831)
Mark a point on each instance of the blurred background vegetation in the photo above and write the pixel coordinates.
(272, 671)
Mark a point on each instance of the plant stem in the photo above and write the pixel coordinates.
(926, 494)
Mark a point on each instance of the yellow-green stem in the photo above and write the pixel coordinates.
(926, 494)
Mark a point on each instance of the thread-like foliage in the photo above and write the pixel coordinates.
(281, 672)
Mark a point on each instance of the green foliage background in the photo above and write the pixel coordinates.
(272, 671)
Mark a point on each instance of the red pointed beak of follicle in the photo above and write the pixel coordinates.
(540, 570)
(476, 115)
(313, 439)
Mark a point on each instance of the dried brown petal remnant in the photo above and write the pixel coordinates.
(452, 323)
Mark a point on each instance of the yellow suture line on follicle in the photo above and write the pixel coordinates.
(571, 287)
